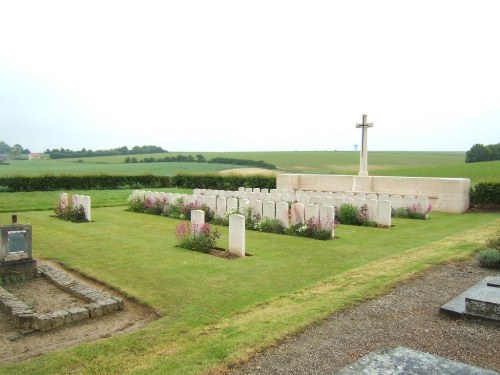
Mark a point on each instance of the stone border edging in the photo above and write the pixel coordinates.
(24, 317)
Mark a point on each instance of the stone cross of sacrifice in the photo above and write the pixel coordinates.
(363, 158)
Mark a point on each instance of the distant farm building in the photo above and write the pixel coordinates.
(34, 157)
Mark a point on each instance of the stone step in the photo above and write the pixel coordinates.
(486, 301)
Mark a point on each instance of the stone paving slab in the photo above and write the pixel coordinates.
(484, 289)
(405, 361)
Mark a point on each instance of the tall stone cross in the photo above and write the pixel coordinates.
(363, 157)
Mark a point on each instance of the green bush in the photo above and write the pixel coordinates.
(350, 214)
(484, 194)
(82, 182)
(494, 241)
(270, 226)
(74, 214)
(192, 237)
(218, 182)
(312, 228)
(489, 258)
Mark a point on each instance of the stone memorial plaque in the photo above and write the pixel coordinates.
(16, 241)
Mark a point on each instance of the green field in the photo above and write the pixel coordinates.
(214, 311)
(420, 164)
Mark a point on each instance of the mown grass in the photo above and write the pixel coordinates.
(424, 164)
(216, 311)
(96, 166)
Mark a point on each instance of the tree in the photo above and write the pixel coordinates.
(478, 153)
(16, 151)
(4, 147)
(200, 158)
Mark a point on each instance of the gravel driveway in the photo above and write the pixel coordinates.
(407, 316)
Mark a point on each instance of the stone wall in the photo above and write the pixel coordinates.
(445, 194)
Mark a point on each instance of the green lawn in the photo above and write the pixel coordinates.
(96, 166)
(216, 311)
(430, 164)
(47, 200)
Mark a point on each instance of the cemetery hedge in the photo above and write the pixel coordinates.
(486, 194)
(83, 182)
(228, 182)
(103, 181)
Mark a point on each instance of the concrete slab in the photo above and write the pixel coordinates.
(457, 306)
(405, 361)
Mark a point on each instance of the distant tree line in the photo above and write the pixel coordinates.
(14, 152)
(479, 152)
(201, 159)
(67, 153)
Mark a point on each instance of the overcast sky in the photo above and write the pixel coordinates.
(249, 75)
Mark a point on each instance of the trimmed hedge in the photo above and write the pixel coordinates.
(218, 182)
(102, 182)
(82, 182)
(486, 194)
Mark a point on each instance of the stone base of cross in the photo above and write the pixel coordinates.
(363, 157)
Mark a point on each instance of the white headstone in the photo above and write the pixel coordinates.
(221, 207)
(327, 201)
(197, 220)
(311, 211)
(372, 205)
(316, 199)
(384, 213)
(212, 203)
(237, 235)
(297, 214)
(372, 196)
(327, 217)
(269, 209)
(87, 207)
(338, 201)
(244, 203)
(305, 199)
(408, 201)
(285, 198)
(264, 191)
(282, 212)
(384, 197)
(423, 204)
(396, 201)
(276, 197)
(257, 208)
(231, 204)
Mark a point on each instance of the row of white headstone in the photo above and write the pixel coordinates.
(236, 230)
(76, 200)
(288, 214)
(318, 197)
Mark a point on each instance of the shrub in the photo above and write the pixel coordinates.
(74, 214)
(489, 258)
(194, 237)
(313, 228)
(82, 182)
(414, 211)
(269, 225)
(350, 214)
(486, 194)
(494, 241)
(219, 182)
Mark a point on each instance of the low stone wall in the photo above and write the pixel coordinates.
(24, 317)
(446, 194)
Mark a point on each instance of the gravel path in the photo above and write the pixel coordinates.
(407, 316)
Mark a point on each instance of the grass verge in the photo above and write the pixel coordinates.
(216, 312)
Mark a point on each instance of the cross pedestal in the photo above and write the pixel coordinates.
(363, 158)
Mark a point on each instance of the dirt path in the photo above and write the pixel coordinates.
(408, 316)
(45, 297)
